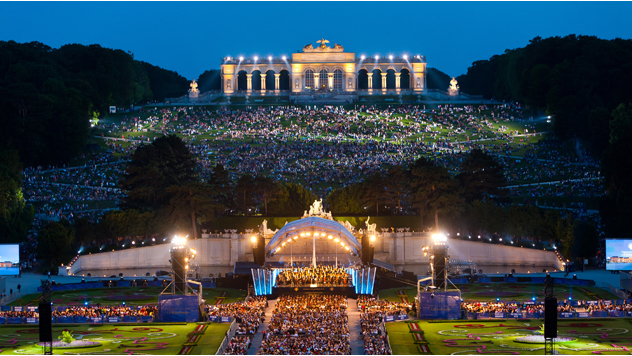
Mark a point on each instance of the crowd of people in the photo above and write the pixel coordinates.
(106, 311)
(88, 312)
(502, 307)
(308, 324)
(318, 145)
(372, 313)
(322, 275)
(248, 315)
(321, 148)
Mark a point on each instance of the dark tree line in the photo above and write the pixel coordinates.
(584, 82)
(424, 189)
(47, 95)
(16, 217)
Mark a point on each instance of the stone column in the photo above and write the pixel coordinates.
(330, 80)
(263, 82)
(249, 82)
(384, 81)
(316, 82)
(276, 81)
(397, 80)
(370, 81)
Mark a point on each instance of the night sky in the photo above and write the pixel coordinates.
(191, 37)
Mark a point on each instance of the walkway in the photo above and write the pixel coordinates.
(256, 340)
(357, 345)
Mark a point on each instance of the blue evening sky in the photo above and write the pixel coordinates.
(191, 37)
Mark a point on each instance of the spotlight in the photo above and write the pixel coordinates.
(256, 58)
(377, 57)
(269, 58)
(253, 239)
(330, 237)
(241, 58)
(362, 57)
(405, 57)
(372, 237)
(284, 57)
(390, 57)
(337, 240)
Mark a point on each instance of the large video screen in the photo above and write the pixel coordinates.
(9, 259)
(619, 254)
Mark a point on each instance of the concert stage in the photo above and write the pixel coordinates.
(265, 283)
(348, 291)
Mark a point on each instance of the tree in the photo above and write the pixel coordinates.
(165, 162)
(244, 192)
(397, 188)
(293, 200)
(15, 216)
(190, 201)
(266, 189)
(56, 242)
(481, 175)
(374, 191)
(437, 79)
(432, 188)
(210, 80)
(221, 185)
(347, 200)
(617, 169)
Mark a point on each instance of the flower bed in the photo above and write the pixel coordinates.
(73, 345)
(539, 339)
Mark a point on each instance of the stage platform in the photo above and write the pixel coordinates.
(347, 291)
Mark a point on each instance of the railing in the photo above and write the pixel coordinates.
(229, 336)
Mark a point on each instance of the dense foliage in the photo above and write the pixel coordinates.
(584, 83)
(15, 216)
(47, 95)
(578, 79)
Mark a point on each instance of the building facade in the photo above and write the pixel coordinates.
(323, 69)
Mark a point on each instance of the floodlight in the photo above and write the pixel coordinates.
(439, 239)
(253, 239)
(178, 241)
(278, 249)
(337, 240)
(372, 237)
(193, 251)
(347, 248)
(330, 237)
(295, 237)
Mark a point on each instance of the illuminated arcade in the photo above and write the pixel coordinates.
(324, 69)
